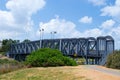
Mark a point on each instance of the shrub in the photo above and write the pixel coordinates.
(7, 65)
(48, 57)
(80, 61)
(54, 61)
(113, 60)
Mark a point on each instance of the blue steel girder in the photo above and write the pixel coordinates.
(69, 46)
(92, 46)
(65, 46)
(83, 46)
(101, 45)
(73, 44)
(110, 47)
(50, 44)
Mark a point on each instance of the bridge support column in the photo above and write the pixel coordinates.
(96, 60)
(87, 61)
(92, 61)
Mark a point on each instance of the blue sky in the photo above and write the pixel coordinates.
(21, 19)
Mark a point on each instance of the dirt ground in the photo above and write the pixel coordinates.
(92, 74)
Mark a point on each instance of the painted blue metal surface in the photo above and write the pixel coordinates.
(96, 49)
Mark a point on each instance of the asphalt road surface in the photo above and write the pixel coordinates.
(104, 70)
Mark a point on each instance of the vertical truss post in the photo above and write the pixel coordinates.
(87, 51)
(60, 43)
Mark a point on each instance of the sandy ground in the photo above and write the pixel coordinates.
(92, 74)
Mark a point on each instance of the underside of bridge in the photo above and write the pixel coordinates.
(92, 49)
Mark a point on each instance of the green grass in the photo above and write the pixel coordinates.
(50, 73)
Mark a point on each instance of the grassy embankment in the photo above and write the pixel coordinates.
(8, 64)
(48, 73)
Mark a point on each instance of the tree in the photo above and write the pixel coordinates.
(113, 60)
(9, 41)
(26, 40)
(6, 44)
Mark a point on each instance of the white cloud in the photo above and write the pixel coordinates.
(95, 32)
(11, 34)
(6, 19)
(61, 26)
(112, 10)
(108, 24)
(97, 2)
(86, 19)
(28, 6)
(66, 29)
(17, 17)
(23, 9)
(115, 33)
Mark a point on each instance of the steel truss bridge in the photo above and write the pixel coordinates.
(93, 50)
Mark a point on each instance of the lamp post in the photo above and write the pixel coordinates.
(41, 36)
(53, 34)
